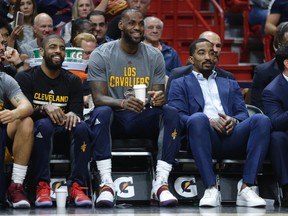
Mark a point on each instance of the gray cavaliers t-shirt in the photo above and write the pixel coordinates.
(8, 87)
(122, 71)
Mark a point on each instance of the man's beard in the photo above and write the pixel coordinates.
(130, 40)
(51, 65)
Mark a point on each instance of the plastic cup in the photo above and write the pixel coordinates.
(74, 53)
(37, 53)
(140, 92)
(61, 198)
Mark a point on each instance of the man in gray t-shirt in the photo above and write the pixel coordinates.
(114, 68)
(16, 129)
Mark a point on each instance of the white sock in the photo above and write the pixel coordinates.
(18, 173)
(163, 170)
(104, 168)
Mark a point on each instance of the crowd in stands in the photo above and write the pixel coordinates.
(122, 47)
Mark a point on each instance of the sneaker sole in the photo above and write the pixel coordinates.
(20, 205)
(242, 203)
(83, 204)
(43, 204)
(104, 204)
(168, 203)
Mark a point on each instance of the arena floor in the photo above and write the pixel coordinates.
(131, 210)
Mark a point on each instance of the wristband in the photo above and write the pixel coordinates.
(19, 65)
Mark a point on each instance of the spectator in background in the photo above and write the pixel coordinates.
(264, 73)
(43, 26)
(215, 117)
(111, 8)
(88, 43)
(113, 30)
(16, 131)
(23, 34)
(99, 20)
(59, 10)
(258, 13)
(152, 35)
(277, 13)
(5, 31)
(81, 9)
(7, 9)
(275, 104)
(80, 26)
(11, 61)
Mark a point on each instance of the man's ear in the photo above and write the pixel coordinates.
(41, 51)
(120, 25)
(191, 60)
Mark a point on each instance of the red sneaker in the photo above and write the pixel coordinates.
(43, 198)
(17, 196)
(78, 196)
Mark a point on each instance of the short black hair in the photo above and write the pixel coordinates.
(96, 13)
(281, 55)
(130, 10)
(46, 39)
(192, 46)
(5, 24)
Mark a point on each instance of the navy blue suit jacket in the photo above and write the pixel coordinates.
(275, 103)
(185, 70)
(263, 75)
(186, 95)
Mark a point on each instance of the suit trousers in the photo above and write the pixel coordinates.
(278, 151)
(249, 140)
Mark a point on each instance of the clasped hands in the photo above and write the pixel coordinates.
(58, 117)
(224, 124)
(133, 104)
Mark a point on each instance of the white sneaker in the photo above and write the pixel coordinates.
(211, 198)
(247, 197)
(161, 195)
(106, 196)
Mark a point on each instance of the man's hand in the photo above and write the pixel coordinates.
(7, 116)
(157, 98)
(71, 120)
(133, 104)
(224, 124)
(55, 113)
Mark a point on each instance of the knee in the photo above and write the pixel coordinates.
(44, 126)
(81, 129)
(26, 125)
(262, 121)
(198, 121)
(102, 113)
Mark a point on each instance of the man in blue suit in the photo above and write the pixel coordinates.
(275, 102)
(185, 70)
(216, 120)
(266, 72)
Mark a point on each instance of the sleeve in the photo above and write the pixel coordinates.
(273, 108)
(159, 69)
(177, 98)
(76, 96)
(25, 81)
(96, 67)
(11, 87)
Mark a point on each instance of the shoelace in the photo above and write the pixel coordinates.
(77, 191)
(18, 190)
(45, 188)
